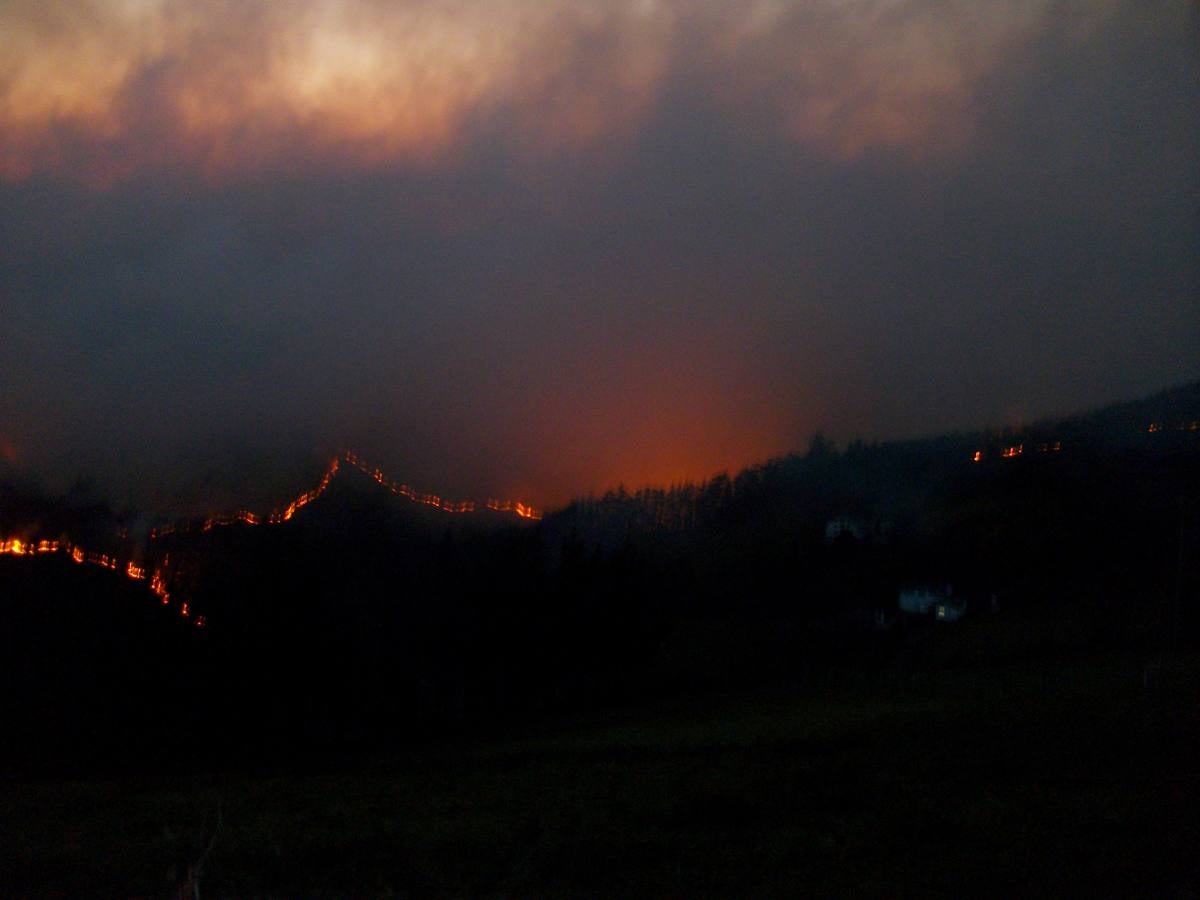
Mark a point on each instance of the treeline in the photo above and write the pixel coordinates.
(356, 623)
(879, 485)
(885, 486)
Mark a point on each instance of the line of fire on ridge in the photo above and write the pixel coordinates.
(246, 517)
(523, 510)
(81, 556)
(25, 546)
(396, 487)
(156, 580)
(1012, 451)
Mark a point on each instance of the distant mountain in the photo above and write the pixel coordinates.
(355, 612)
(881, 482)
(1173, 411)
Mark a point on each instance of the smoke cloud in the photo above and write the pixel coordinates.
(537, 248)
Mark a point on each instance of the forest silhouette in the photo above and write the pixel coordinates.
(366, 625)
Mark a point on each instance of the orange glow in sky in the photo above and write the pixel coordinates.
(531, 249)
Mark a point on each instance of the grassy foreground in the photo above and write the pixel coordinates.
(1057, 775)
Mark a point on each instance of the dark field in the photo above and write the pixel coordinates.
(998, 766)
(694, 691)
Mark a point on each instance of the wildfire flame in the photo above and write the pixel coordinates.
(437, 502)
(157, 579)
(20, 547)
(514, 506)
(16, 546)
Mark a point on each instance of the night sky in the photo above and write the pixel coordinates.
(538, 247)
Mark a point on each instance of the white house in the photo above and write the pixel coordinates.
(920, 601)
(950, 609)
(942, 604)
(939, 602)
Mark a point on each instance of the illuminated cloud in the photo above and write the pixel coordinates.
(229, 87)
(530, 248)
(109, 87)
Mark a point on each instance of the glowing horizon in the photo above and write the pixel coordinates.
(537, 248)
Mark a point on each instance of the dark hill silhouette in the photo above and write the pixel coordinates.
(885, 483)
(93, 673)
(365, 617)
